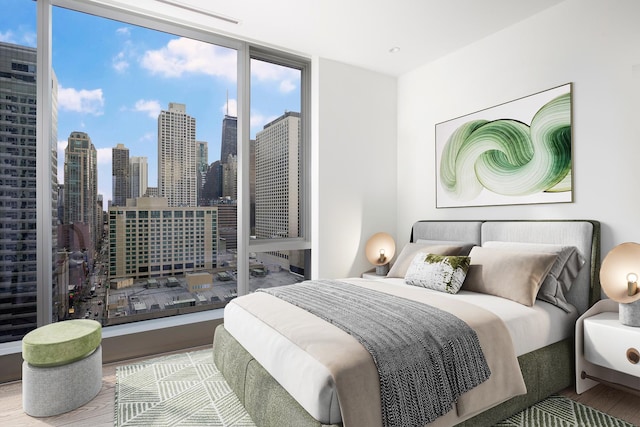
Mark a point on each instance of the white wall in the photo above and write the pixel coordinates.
(354, 165)
(595, 45)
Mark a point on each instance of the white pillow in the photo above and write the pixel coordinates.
(444, 273)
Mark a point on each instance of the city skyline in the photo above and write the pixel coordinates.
(115, 78)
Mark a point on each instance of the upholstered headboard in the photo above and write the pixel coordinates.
(583, 234)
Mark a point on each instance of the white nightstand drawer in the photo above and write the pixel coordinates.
(611, 344)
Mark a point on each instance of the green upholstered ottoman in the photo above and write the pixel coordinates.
(62, 368)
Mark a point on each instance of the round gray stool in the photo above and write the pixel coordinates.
(62, 368)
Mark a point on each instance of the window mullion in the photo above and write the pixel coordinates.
(43, 162)
(244, 227)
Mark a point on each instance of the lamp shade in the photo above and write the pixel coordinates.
(380, 249)
(616, 269)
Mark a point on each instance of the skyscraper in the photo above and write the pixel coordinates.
(229, 142)
(18, 215)
(81, 184)
(202, 162)
(120, 175)
(177, 156)
(277, 151)
(139, 174)
(212, 189)
(230, 178)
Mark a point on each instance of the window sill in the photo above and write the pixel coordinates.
(134, 340)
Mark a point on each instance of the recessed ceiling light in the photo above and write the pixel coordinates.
(201, 11)
(394, 49)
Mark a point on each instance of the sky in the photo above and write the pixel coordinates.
(115, 78)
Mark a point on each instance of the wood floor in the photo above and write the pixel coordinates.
(99, 412)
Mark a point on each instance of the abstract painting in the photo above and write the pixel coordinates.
(514, 153)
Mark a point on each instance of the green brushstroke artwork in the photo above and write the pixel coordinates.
(509, 157)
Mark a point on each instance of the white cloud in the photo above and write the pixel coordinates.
(7, 37)
(122, 60)
(258, 120)
(232, 109)
(119, 63)
(27, 37)
(186, 56)
(287, 86)
(81, 101)
(61, 146)
(151, 107)
(267, 72)
(104, 156)
(149, 136)
(124, 31)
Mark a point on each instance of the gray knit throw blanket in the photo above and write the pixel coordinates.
(426, 357)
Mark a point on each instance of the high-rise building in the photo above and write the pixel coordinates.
(212, 189)
(81, 184)
(277, 152)
(100, 216)
(147, 238)
(152, 192)
(60, 216)
(139, 174)
(120, 175)
(18, 212)
(229, 142)
(177, 180)
(18, 141)
(277, 169)
(228, 224)
(202, 165)
(230, 178)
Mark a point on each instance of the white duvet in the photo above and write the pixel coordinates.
(530, 328)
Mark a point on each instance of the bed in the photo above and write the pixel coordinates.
(288, 378)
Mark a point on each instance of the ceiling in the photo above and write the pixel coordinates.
(357, 32)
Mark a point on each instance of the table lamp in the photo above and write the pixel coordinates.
(380, 249)
(619, 275)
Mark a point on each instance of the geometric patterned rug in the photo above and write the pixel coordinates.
(187, 389)
(184, 389)
(561, 411)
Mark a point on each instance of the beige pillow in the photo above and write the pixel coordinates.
(403, 261)
(564, 271)
(515, 275)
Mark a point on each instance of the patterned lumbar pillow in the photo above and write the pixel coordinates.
(444, 273)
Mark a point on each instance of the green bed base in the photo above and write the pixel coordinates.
(545, 371)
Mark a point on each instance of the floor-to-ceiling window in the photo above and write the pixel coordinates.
(278, 161)
(18, 198)
(177, 167)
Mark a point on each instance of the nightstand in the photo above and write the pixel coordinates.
(609, 343)
(606, 350)
(371, 275)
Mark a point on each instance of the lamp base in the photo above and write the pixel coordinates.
(382, 270)
(630, 313)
